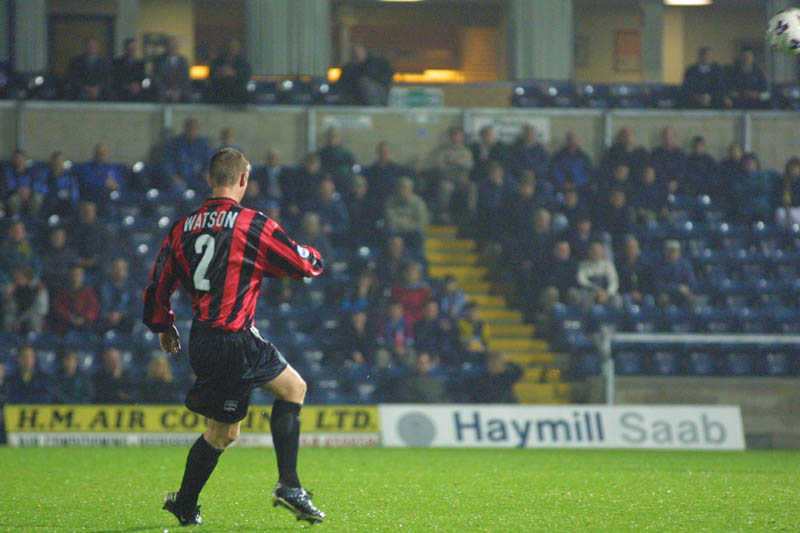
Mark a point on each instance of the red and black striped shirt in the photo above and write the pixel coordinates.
(220, 253)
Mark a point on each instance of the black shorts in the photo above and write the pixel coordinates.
(229, 365)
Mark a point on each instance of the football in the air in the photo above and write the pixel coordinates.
(783, 32)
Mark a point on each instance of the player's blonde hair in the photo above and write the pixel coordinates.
(226, 166)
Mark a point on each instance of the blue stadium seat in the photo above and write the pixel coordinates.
(629, 363)
(663, 96)
(786, 96)
(295, 91)
(739, 362)
(588, 363)
(594, 95)
(545, 94)
(641, 319)
(701, 362)
(664, 363)
(629, 96)
(776, 362)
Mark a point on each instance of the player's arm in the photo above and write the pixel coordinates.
(284, 257)
(158, 314)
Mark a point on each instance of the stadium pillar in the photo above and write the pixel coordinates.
(652, 37)
(540, 36)
(30, 35)
(127, 23)
(288, 37)
(4, 34)
(780, 68)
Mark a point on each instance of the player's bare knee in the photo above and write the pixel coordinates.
(298, 390)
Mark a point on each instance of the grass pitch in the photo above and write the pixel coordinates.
(120, 490)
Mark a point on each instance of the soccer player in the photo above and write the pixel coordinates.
(220, 253)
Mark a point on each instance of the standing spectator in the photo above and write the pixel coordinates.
(486, 150)
(624, 151)
(571, 164)
(332, 211)
(674, 277)
(118, 299)
(89, 74)
(62, 185)
(494, 193)
(557, 284)
(28, 384)
(356, 344)
(527, 153)
(159, 387)
(703, 83)
(530, 255)
(434, 334)
(171, 74)
(454, 163)
(420, 386)
(635, 275)
(620, 178)
(337, 160)
(752, 192)
(412, 292)
(57, 259)
(302, 184)
(27, 302)
(650, 198)
(129, 73)
(395, 337)
(71, 386)
(495, 384)
(230, 73)
(364, 214)
(615, 215)
(274, 177)
(112, 384)
(702, 173)
(473, 333)
(93, 242)
(406, 215)
(186, 158)
(75, 307)
(597, 277)
(731, 170)
(580, 237)
(786, 195)
(382, 175)
(572, 206)
(16, 251)
(519, 207)
(393, 259)
(99, 177)
(746, 83)
(453, 301)
(23, 185)
(253, 198)
(226, 140)
(669, 161)
(366, 79)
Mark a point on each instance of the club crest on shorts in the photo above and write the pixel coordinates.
(303, 251)
(230, 405)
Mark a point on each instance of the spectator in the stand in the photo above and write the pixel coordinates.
(571, 164)
(746, 83)
(620, 178)
(89, 74)
(337, 160)
(392, 260)
(93, 241)
(112, 384)
(669, 161)
(731, 170)
(171, 74)
(16, 251)
(635, 275)
(412, 292)
(366, 79)
(118, 299)
(129, 73)
(674, 277)
(703, 83)
(650, 198)
(332, 211)
(186, 159)
(382, 175)
(274, 177)
(453, 300)
(23, 185)
(597, 277)
(420, 386)
(302, 184)
(752, 191)
(624, 151)
(253, 197)
(520, 206)
(57, 259)
(494, 193)
(27, 302)
(557, 282)
(28, 384)
(496, 383)
(435, 334)
(454, 163)
(580, 237)
(473, 333)
(533, 247)
(355, 343)
(227, 139)
(62, 184)
(786, 195)
(527, 153)
(159, 387)
(406, 214)
(99, 177)
(486, 150)
(71, 386)
(364, 295)
(230, 73)
(572, 206)
(615, 215)
(395, 337)
(311, 234)
(75, 307)
(364, 214)
(701, 169)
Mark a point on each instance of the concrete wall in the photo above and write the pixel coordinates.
(173, 17)
(774, 138)
(8, 128)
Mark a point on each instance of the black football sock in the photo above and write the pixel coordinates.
(199, 464)
(285, 426)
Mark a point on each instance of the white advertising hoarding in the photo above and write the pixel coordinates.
(569, 426)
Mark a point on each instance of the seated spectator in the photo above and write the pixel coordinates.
(615, 215)
(57, 259)
(27, 302)
(118, 299)
(702, 173)
(420, 386)
(624, 151)
(302, 183)
(486, 150)
(669, 161)
(494, 194)
(406, 214)
(703, 83)
(71, 386)
(112, 383)
(89, 74)
(395, 337)
(531, 253)
(746, 83)
(519, 207)
(435, 334)
(527, 153)
(364, 295)
(75, 307)
(571, 164)
(635, 275)
(253, 198)
(572, 206)
(620, 178)
(454, 163)
(650, 198)
(93, 242)
(63, 187)
(158, 386)
(311, 234)
(752, 192)
(392, 261)
(496, 383)
(364, 215)
(674, 277)
(274, 178)
(171, 74)
(366, 79)
(412, 292)
(337, 160)
(473, 333)
(28, 384)
(22, 187)
(382, 175)
(786, 195)
(17, 251)
(129, 74)
(453, 301)
(597, 277)
(557, 284)
(355, 343)
(230, 73)
(99, 177)
(226, 140)
(580, 237)
(332, 211)
(185, 160)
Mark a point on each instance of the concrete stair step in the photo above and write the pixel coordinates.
(452, 245)
(541, 375)
(530, 358)
(449, 258)
(441, 231)
(461, 272)
(513, 330)
(554, 393)
(474, 286)
(501, 314)
(518, 343)
(489, 300)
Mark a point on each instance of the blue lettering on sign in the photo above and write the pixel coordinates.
(585, 426)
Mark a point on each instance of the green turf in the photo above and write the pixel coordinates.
(120, 490)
